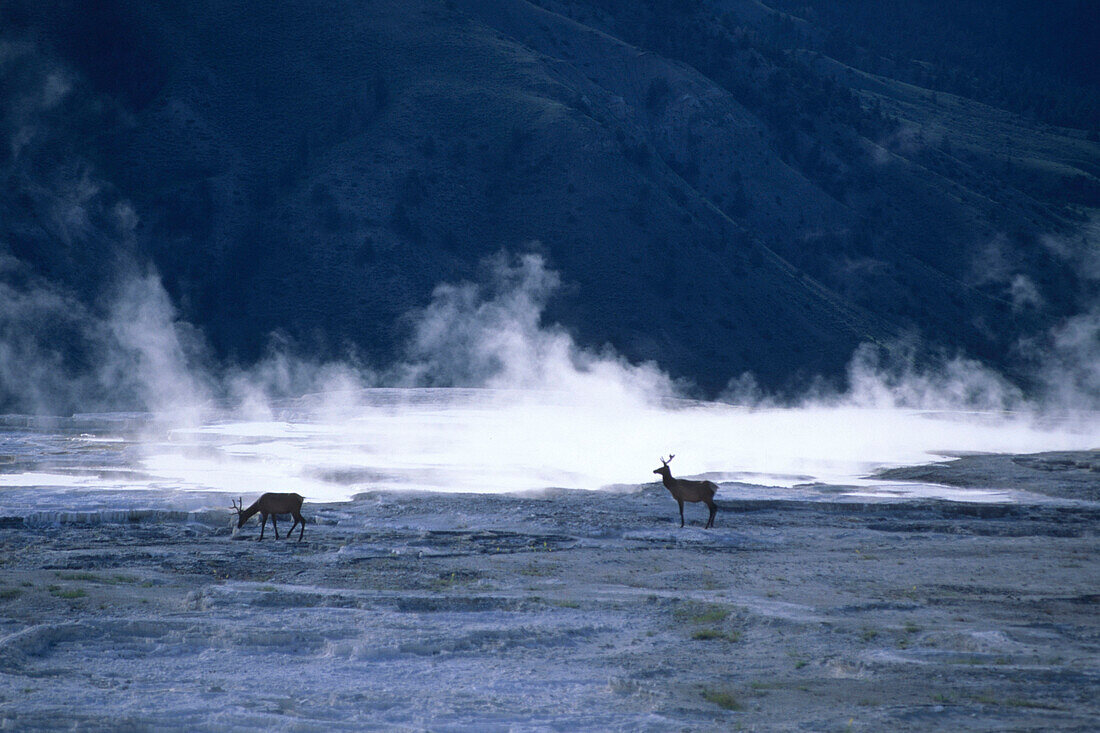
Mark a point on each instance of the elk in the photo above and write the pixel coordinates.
(273, 505)
(687, 490)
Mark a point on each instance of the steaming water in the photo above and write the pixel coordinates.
(331, 447)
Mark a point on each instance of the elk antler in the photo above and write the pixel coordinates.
(670, 457)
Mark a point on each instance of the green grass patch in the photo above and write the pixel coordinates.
(117, 579)
(716, 635)
(1019, 702)
(978, 661)
(453, 579)
(985, 699)
(67, 593)
(799, 660)
(78, 576)
(9, 593)
(698, 613)
(722, 699)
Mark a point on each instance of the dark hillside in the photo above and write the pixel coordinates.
(1036, 59)
(718, 192)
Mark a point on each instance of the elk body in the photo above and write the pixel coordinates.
(272, 505)
(687, 490)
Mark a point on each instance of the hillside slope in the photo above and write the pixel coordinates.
(715, 198)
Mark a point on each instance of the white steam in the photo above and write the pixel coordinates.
(58, 356)
(156, 352)
(1070, 362)
(524, 408)
(895, 381)
(492, 336)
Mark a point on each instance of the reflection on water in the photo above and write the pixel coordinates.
(331, 447)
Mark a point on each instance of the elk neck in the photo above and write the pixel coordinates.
(247, 513)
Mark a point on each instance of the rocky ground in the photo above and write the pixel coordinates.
(569, 610)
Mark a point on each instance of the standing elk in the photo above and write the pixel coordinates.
(687, 490)
(273, 505)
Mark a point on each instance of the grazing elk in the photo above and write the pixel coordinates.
(687, 490)
(273, 505)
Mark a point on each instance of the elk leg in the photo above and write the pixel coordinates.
(681, 503)
(263, 525)
(302, 521)
(713, 510)
(275, 525)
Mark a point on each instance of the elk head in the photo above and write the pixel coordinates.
(664, 470)
(238, 507)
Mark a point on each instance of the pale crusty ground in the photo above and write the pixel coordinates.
(566, 611)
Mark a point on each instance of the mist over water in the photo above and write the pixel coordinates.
(524, 409)
(506, 441)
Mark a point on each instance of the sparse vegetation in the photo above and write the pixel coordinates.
(452, 579)
(1019, 702)
(703, 613)
(77, 576)
(715, 634)
(984, 698)
(67, 593)
(538, 570)
(117, 579)
(722, 698)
